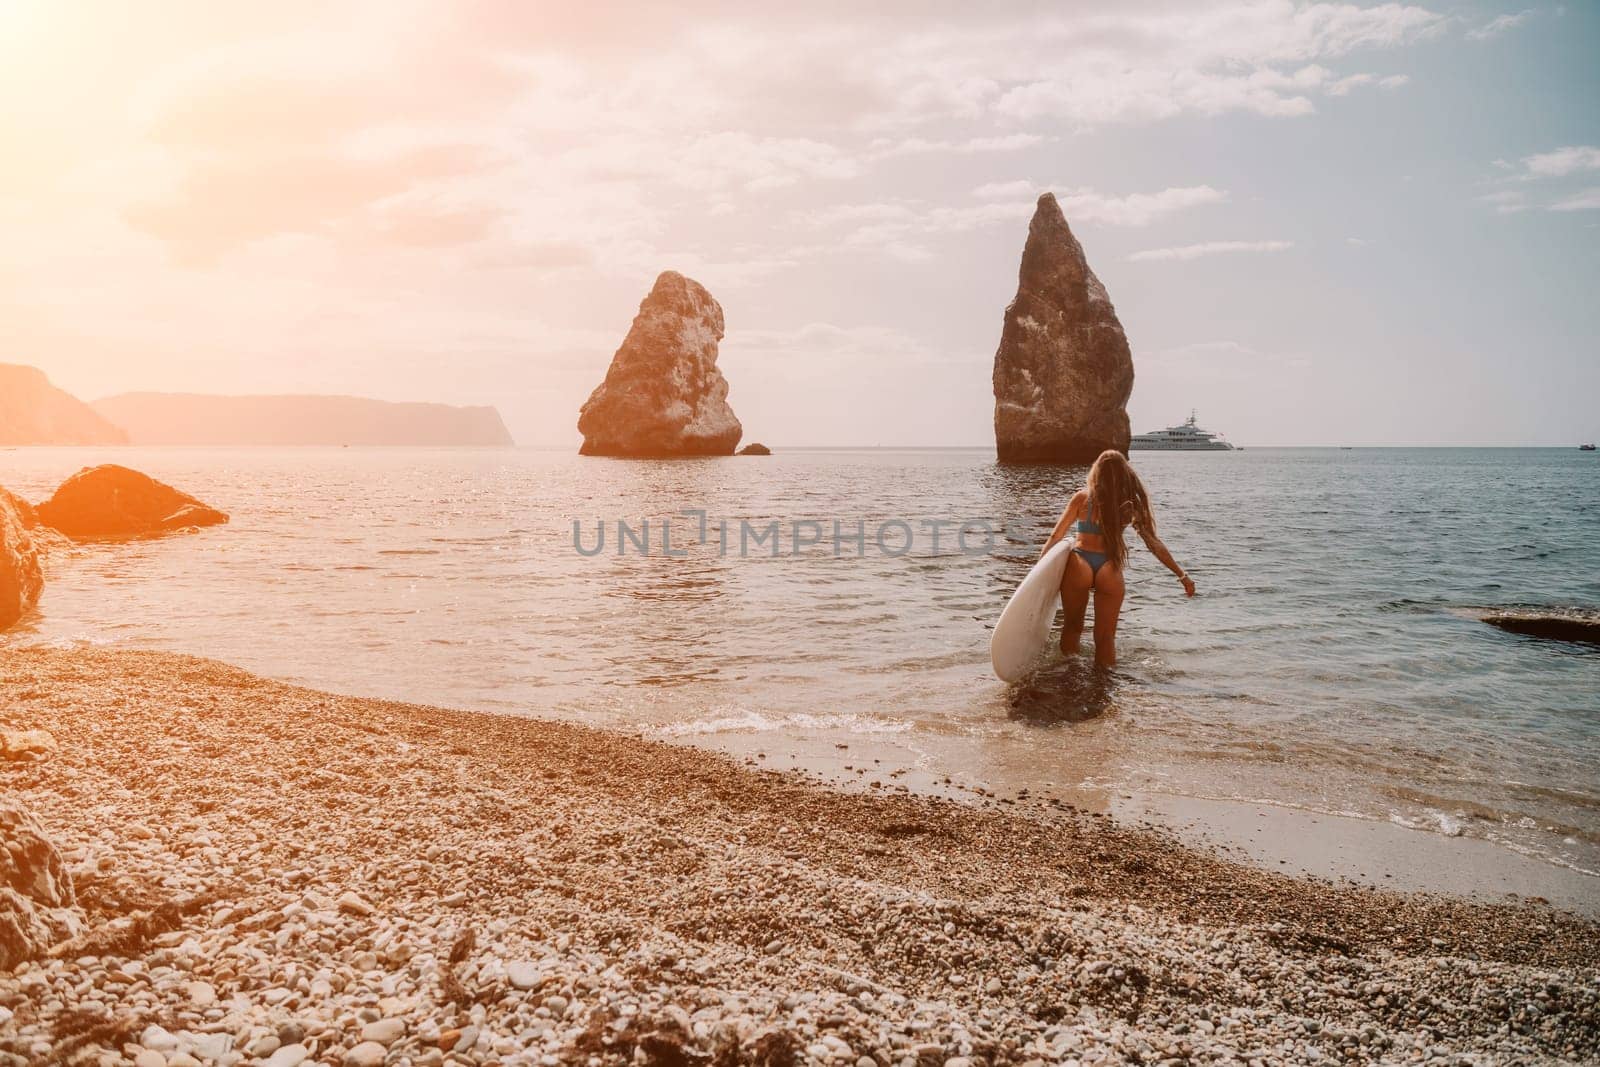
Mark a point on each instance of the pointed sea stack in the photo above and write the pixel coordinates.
(664, 395)
(1063, 372)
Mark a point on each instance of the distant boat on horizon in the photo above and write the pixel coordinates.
(1186, 438)
(1586, 448)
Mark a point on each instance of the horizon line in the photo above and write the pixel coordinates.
(807, 448)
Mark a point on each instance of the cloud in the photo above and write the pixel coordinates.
(728, 158)
(1547, 169)
(1499, 24)
(1572, 159)
(1506, 201)
(434, 225)
(1209, 248)
(1260, 59)
(885, 148)
(1007, 190)
(901, 228)
(1088, 205)
(538, 258)
(1587, 200)
(1135, 209)
(654, 120)
(1344, 86)
(826, 347)
(206, 179)
(221, 203)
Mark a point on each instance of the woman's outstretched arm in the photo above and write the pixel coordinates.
(1158, 549)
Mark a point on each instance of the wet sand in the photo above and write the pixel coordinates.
(273, 874)
(1367, 852)
(1339, 848)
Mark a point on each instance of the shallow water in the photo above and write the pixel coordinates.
(1332, 661)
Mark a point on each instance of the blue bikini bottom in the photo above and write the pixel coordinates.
(1095, 560)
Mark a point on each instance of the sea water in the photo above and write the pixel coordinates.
(1333, 660)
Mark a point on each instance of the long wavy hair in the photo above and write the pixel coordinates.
(1119, 500)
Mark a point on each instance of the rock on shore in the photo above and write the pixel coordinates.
(21, 574)
(1063, 372)
(663, 394)
(1576, 625)
(272, 875)
(36, 898)
(115, 502)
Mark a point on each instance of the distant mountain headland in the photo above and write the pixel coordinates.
(199, 419)
(34, 412)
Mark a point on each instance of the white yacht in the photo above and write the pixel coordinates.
(1186, 438)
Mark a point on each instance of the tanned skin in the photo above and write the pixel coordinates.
(1107, 586)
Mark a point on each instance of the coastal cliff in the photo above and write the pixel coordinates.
(198, 419)
(1063, 372)
(663, 394)
(35, 412)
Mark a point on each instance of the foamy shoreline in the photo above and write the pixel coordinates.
(309, 864)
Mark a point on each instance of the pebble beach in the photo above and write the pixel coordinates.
(273, 875)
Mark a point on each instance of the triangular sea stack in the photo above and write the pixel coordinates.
(1063, 372)
(663, 395)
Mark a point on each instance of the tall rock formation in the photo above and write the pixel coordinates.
(34, 412)
(1063, 372)
(663, 395)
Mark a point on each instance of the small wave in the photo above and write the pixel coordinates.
(69, 642)
(1406, 606)
(755, 722)
(1437, 821)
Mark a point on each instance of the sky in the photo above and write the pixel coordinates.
(1320, 223)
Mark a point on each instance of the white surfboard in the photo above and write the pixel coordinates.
(1024, 627)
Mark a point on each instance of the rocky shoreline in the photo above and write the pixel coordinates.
(269, 874)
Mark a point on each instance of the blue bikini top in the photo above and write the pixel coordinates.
(1087, 525)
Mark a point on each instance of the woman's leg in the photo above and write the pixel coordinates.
(1108, 591)
(1076, 582)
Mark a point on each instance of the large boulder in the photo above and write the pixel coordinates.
(1063, 372)
(663, 395)
(114, 502)
(21, 572)
(36, 898)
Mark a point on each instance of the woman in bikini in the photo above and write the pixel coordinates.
(1113, 499)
